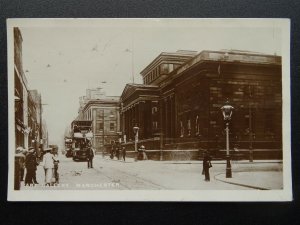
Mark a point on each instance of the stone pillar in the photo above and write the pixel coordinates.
(94, 127)
(141, 119)
(126, 123)
(130, 123)
(166, 120)
(172, 117)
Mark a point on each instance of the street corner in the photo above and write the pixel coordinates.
(262, 180)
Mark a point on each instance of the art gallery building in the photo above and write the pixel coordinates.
(177, 108)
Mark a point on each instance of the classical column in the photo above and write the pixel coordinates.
(166, 120)
(141, 119)
(94, 126)
(127, 123)
(130, 123)
(172, 118)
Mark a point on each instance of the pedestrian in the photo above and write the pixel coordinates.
(56, 162)
(112, 151)
(35, 168)
(124, 153)
(90, 157)
(118, 153)
(20, 152)
(142, 153)
(206, 165)
(48, 164)
(30, 164)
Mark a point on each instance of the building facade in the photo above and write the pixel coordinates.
(178, 106)
(21, 94)
(35, 120)
(28, 111)
(103, 111)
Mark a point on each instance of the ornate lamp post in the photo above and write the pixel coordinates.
(227, 112)
(136, 138)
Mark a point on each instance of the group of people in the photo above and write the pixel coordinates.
(117, 151)
(29, 160)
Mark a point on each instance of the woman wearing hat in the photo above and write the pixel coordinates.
(48, 163)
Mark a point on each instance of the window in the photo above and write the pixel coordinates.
(227, 91)
(154, 125)
(164, 68)
(112, 114)
(99, 114)
(99, 126)
(112, 127)
(154, 110)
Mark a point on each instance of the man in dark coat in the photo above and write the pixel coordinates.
(20, 152)
(112, 151)
(206, 165)
(30, 164)
(35, 168)
(124, 153)
(118, 152)
(90, 157)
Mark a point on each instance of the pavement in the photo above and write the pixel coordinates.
(163, 175)
(271, 180)
(259, 174)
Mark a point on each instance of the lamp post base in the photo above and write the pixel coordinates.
(251, 155)
(228, 167)
(136, 156)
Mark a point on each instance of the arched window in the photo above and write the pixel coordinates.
(154, 110)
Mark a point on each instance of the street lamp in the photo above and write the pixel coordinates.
(136, 137)
(227, 113)
(18, 102)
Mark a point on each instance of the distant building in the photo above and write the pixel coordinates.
(178, 104)
(104, 112)
(35, 119)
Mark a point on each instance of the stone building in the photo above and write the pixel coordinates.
(21, 94)
(178, 105)
(35, 120)
(103, 111)
(28, 112)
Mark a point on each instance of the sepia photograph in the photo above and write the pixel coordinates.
(149, 110)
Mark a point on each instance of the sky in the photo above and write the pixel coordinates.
(61, 60)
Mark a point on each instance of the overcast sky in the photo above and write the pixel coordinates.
(62, 60)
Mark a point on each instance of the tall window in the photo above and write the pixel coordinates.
(181, 129)
(112, 114)
(154, 125)
(154, 110)
(112, 127)
(99, 114)
(99, 126)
